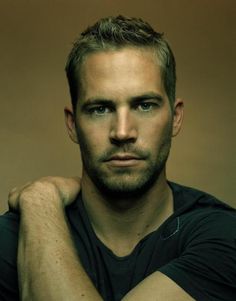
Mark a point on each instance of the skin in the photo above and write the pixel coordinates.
(126, 144)
(117, 116)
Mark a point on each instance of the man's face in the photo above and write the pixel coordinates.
(123, 121)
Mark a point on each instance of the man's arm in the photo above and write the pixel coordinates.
(48, 265)
(157, 287)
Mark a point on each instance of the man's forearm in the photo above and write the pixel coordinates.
(48, 265)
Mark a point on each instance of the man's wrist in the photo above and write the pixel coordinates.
(40, 197)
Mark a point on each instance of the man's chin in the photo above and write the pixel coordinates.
(125, 183)
(126, 188)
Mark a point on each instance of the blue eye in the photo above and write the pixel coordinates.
(99, 110)
(145, 106)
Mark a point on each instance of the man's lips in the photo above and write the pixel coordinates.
(124, 160)
(123, 157)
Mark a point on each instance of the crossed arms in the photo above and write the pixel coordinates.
(48, 264)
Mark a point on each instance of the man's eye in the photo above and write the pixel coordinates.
(100, 110)
(145, 106)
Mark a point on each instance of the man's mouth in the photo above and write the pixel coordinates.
(123, 160)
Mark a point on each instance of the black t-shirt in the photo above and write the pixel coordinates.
(195, 247)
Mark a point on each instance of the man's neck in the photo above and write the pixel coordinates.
(121, 227)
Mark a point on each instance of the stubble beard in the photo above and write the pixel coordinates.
(126, 183)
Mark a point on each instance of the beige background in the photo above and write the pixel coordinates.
(35, 38)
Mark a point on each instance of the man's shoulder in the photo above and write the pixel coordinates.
(186, 197)
(9, 221)
(202, 214)
(9, 228)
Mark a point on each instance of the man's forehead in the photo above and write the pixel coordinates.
(115, 63)
(120, 55)
(119, 73)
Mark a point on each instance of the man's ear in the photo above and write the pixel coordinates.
(70, 123)
(178, 117)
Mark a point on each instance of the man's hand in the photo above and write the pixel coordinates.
(48, 264)
(62, 191)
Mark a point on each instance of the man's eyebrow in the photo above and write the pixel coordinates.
(96, 101)
(147, 96)
(108, 102)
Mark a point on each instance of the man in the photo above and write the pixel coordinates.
(123, 232)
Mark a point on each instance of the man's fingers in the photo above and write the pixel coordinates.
(13, 196)
(68, 187)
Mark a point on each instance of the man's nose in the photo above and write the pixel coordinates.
(123, 127)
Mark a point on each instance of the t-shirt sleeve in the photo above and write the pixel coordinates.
(8, 254)
(206, 267)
